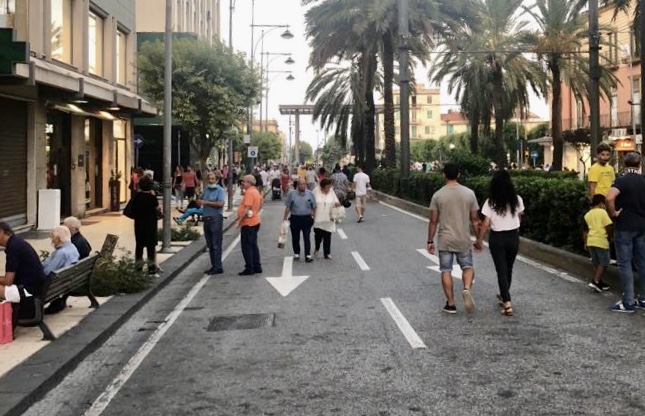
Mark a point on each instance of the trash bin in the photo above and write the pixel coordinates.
(48, 209)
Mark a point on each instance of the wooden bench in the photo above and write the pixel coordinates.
(73, 279)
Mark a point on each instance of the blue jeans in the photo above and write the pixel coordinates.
(189, 212)
(213, 232)
(630, 245)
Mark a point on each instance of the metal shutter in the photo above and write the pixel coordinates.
(13, 161)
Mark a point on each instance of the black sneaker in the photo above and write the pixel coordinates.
(308, 259)
(595, 286)
(603, 286)
(449, 308)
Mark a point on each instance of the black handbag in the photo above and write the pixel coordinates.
(346, 202)
(351, 195)
(127, 211)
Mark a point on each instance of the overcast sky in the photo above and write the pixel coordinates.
(282, 91)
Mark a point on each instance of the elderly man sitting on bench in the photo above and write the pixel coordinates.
(23, 267)
(65, 252)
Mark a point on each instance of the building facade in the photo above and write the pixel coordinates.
(620, 111)
(425, 117)
(67, 95)
(198, 17)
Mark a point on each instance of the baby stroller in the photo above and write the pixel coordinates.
(276, 189)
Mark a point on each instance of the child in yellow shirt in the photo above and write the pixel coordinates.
(598, 228)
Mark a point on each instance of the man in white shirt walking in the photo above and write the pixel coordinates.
(361, 186)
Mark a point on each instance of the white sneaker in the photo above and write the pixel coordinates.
(296, 256)
(469, 303)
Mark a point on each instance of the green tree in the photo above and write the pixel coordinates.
(332, 152)
(562, 30)
(305, 150)
(211, 88)
(269, 146)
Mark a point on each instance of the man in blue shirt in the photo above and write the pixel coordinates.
(302, 205)
(23, 266)
(65, 252)
(212, 201)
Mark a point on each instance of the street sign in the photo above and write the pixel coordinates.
(247, 139)
(138, 141)
(534, 155)
(253, 151)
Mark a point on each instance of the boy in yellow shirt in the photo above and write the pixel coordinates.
(598, 228)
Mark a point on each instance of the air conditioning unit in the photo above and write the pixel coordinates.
(6, 21)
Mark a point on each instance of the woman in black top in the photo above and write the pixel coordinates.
(144, 211)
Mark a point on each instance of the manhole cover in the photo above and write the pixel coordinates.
(234, 322)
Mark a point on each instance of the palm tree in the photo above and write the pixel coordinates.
(485, 59)
(562, 31)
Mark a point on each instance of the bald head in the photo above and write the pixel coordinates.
(632, 160)
(249, 178)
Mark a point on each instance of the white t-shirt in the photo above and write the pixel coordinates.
(361, 183)
(264, 176)
(274, 174)
(504, 222)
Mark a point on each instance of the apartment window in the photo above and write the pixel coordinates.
(121, 57)
(8, 7)
(579, 114)
(414, 116)
(413, 132)
(95, 40)
(636, 108)
(414, 101)
(636, 42)
(427, 129)
(612, 56)
(61, 30)
(396, 100)
(429, 114)
(428, 99)
(451, 129)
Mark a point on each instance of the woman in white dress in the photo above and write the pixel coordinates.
(323, 225)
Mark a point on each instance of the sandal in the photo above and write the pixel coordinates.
(508, 309)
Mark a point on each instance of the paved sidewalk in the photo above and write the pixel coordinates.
(28, 341)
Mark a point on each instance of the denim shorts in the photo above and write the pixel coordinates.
(465, 260)
(599, 256)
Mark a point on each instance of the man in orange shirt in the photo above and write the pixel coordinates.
(248, 219)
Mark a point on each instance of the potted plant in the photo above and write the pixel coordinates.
(115, 190)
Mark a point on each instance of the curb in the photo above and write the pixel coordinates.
(573, 264)
(31, 380)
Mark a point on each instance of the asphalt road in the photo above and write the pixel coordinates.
(332, 346)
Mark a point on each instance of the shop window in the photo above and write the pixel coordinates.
(61, 30)
(95, 37)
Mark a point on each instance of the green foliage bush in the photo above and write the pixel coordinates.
(184, 233)
(554, 204)
(114, 276)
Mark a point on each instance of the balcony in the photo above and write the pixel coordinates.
(622, 119)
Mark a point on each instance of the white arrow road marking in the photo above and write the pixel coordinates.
(403, 324)
(286, 283)
(102, 402)
(456, 270)
(342, 234)
(360, 261)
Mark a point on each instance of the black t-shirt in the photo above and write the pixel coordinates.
(632, 201)
(24, 262)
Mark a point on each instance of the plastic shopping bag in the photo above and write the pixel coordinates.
(282, 236)
(6, 323)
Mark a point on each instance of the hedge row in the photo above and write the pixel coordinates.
(554, 206)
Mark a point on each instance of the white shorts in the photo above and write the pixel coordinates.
(12, 295)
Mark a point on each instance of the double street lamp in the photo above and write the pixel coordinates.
(288, 61)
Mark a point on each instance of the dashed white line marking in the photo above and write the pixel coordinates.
(102, 402)
(360, 261)
(342, 234)
(403, 324)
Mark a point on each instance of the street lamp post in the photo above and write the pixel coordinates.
(230, 139)
(290, 77)
(167, 129)
(288, 61)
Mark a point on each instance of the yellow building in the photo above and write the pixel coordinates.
(199, 17)
(425, 117)
(455, 122)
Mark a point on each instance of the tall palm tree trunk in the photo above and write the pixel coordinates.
(498, 104)
(388, 98)
(370, 115)
(556, 116)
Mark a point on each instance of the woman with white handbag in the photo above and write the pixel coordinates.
(327, 214)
